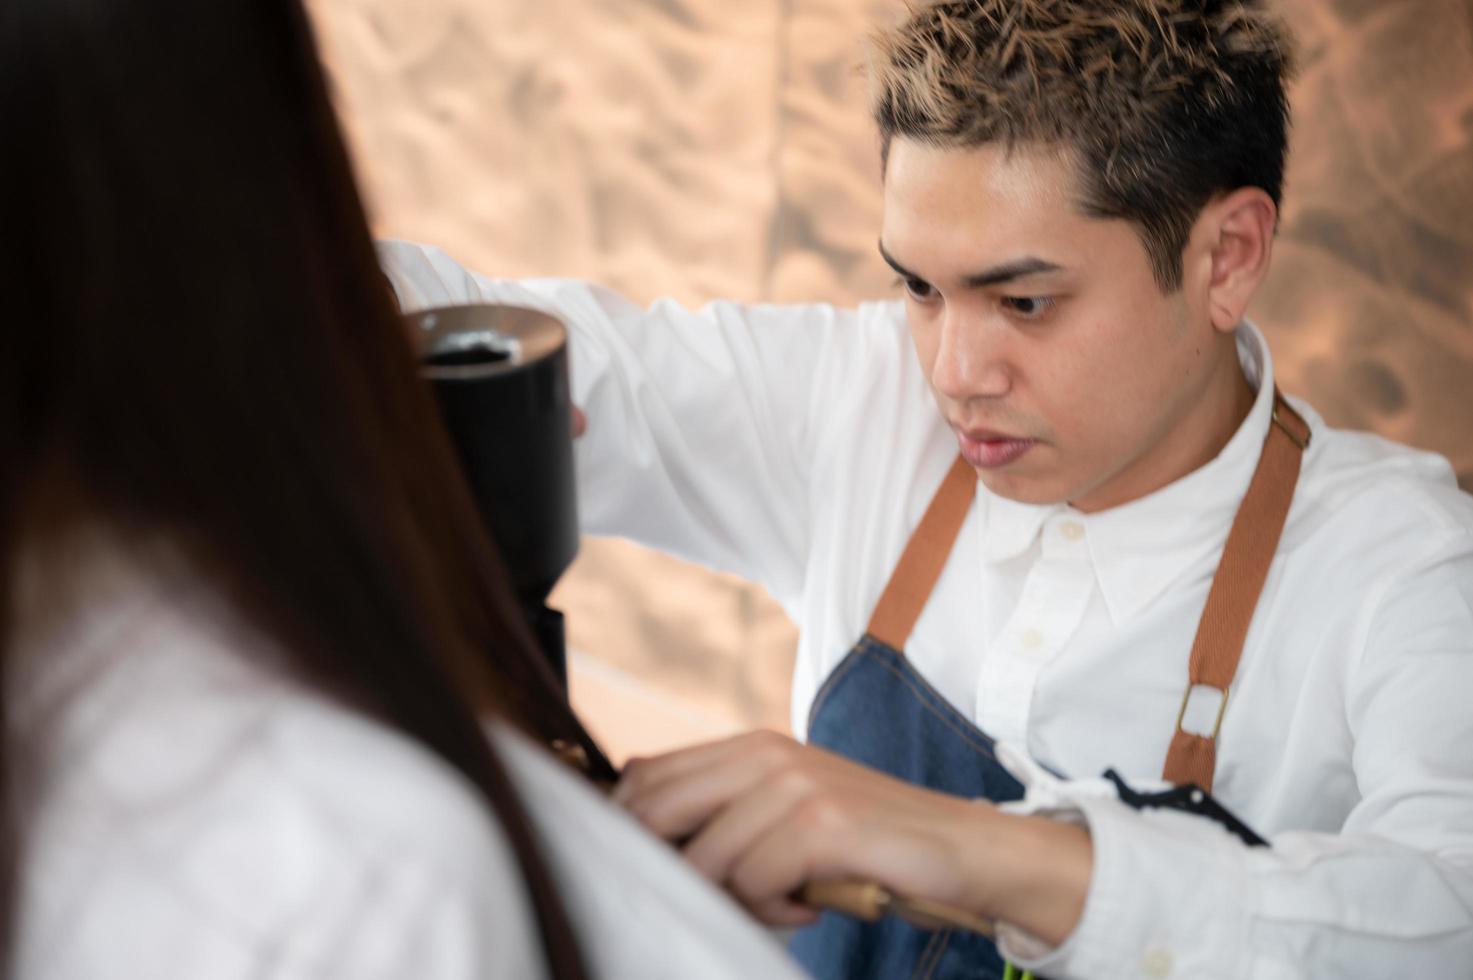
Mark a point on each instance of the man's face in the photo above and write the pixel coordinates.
(1065, 371)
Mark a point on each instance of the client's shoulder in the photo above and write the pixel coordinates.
(202, 810)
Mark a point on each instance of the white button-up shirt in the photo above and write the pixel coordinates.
(799, 445)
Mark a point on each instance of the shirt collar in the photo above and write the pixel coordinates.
(1009, 528)
(1141, 548)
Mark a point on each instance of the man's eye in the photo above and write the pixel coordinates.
(1028, 307)
(919, 290)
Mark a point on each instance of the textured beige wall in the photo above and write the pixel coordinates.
(702, 148)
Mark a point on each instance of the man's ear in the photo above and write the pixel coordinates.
(1237, 232)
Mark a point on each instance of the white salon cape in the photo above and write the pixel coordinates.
(798, 446)
(193, 814)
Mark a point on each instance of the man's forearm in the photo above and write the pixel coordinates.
(1029, 871)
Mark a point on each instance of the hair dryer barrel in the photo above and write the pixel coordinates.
(500, 375)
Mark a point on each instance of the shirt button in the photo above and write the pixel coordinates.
(1071, 530)
(1031, 639)
(1156, 964)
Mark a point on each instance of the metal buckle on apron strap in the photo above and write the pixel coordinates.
(1301, 442)
(1186, 698)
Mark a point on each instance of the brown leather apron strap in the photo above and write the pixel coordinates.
(925, 556)
(1241, 573)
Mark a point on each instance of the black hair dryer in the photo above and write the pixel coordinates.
(500, 375)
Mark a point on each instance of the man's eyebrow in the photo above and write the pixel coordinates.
(1007, 272)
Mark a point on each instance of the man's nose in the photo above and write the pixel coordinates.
(970, 358)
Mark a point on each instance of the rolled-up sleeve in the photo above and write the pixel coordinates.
(1391, 894)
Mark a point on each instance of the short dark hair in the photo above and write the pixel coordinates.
(1164, 103)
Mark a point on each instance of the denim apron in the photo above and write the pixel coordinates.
(875, 708)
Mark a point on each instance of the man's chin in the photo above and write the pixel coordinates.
(1023, 489)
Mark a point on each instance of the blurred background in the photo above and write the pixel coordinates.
(721, 148)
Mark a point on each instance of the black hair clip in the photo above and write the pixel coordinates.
(1189, 798)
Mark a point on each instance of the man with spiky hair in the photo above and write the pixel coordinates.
(1048, 516)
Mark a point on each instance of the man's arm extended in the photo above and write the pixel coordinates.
(703, 426)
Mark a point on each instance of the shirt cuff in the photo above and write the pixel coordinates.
(1168, 896)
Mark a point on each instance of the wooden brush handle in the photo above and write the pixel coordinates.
(865, 900)
(871, 901)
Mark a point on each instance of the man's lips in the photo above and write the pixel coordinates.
(987, 450)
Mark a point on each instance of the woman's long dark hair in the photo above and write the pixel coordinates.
(197, 334)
